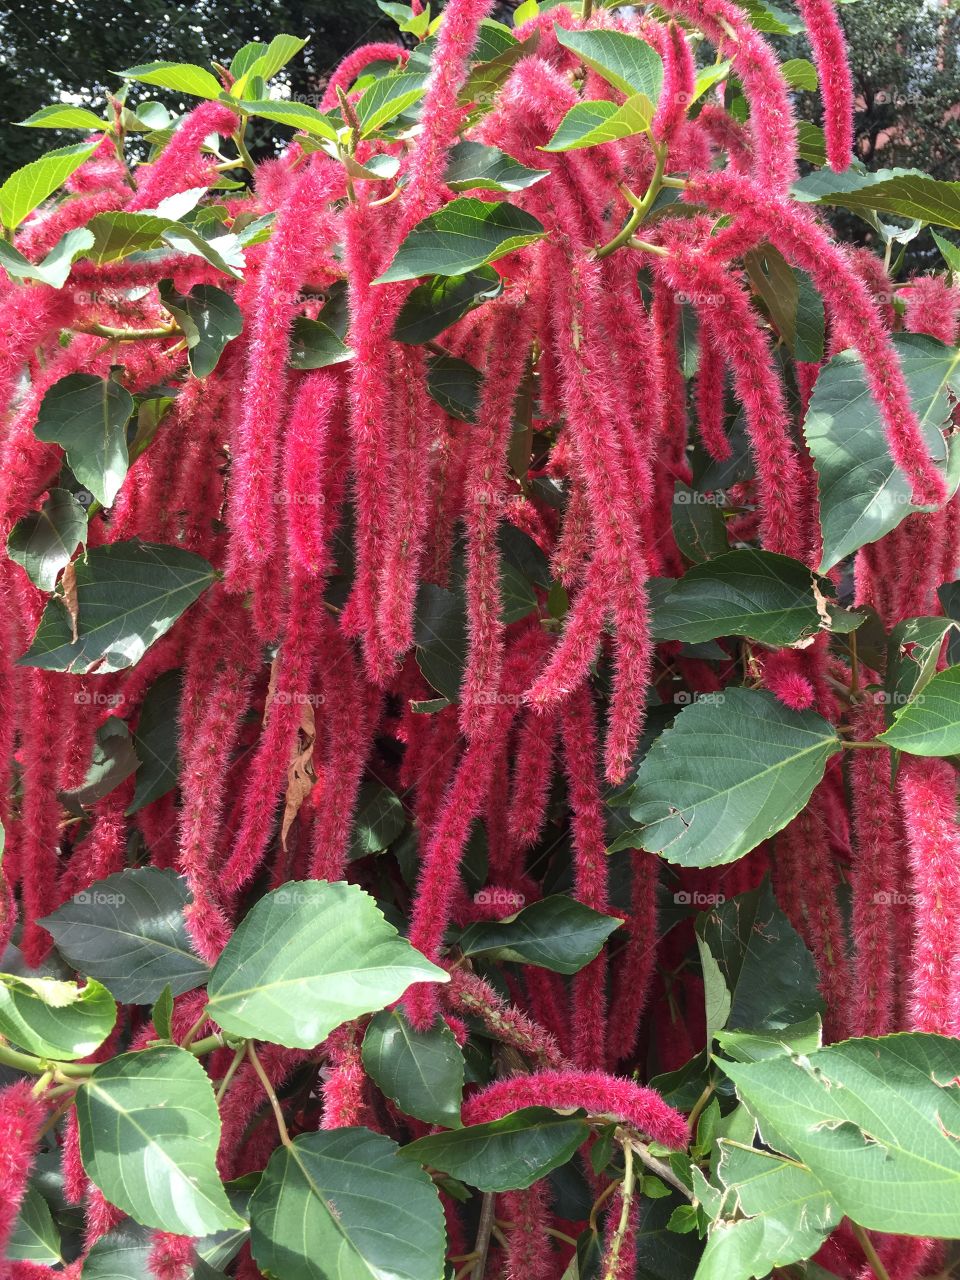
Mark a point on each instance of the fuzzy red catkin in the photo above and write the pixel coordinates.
(679, 74)
(483, 509)
(21, 1116)
(579, 737)
(471, 995)
(353, 64)
(345, 1082)
(530, 1254)
(933, 307)
(927, 791)
(876, 892)
(801, 240)
(591, 420)
(709, 394)
(171, 1257)
(290, 253)
(829, 47)
(179, 165)
(634, 966)
(599, 1093)
(532, 773)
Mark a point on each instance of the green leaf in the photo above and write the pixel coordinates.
(465, 234)
(44, 541)
(122, 1254)
(913, 651)
(408, 21)
(422, 1071)
(342, 1205)
(950, 252)
(118, 234)
(507, 1154)
(129, 594)
(756, 1046)
(28, 187)
(262, 60)
(908, 193)
(930, 724)
(55, 267)
(60, 115)
(729, 773)
(87, 416)
(298, 115)
(35, 1237)
(440, 634)
(752, 593)
(811, 145)
(317, 344)
(156, 1163)
(783, 1215)
(128, 932)
(55, 1019)
(157, 741)
(625, 61)
(386, 99)
(209, 319)
(863, 494)
(768, 975)
(590, 123)
(497, 52)
(162, 1012)
(379, 820)
(795, 306)
(455, 385)
(113, 761)
(875, 1120)
(182, 77)
(308, 957)
(472, 165)
(440, 302)
(800, 73)
(770, 18)
(699, 528)
(555, 933)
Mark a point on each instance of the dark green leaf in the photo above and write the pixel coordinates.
(122, 1254)
(440, 633)
(455, 385)
(341, 1205)
(699, 528)
(156, 741)
(875, 1120)
(114, 759)
(44, 541)
(472, 165)
(506, 1154)
(759, 594)
(730, 772)
(129, 595)
(379, 820)
(422, 1071)
(87, 416)
(863, 494)
(298, 115)
(162, 1012)
(155, 1162)
(316, 344)
(438, 303)
(465, 234)
(768, 976)
(556, 933)
(209, 319)
(908, 193)
(128, 932)
(913, 651)
(308, 957)
(30, 186)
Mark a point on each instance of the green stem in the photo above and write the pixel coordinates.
(244, 153)
(866, 1244)
(699, 1106)
(616, 1241)
(641, 207)
(484, 1231)
(35, 1066)
(874, 746)
(231, 1070)
(645, 247)
(586, 10)
(129, 335)
(268, 1090)
(658, 1167)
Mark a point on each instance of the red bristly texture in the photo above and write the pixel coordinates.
(21, 1115)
